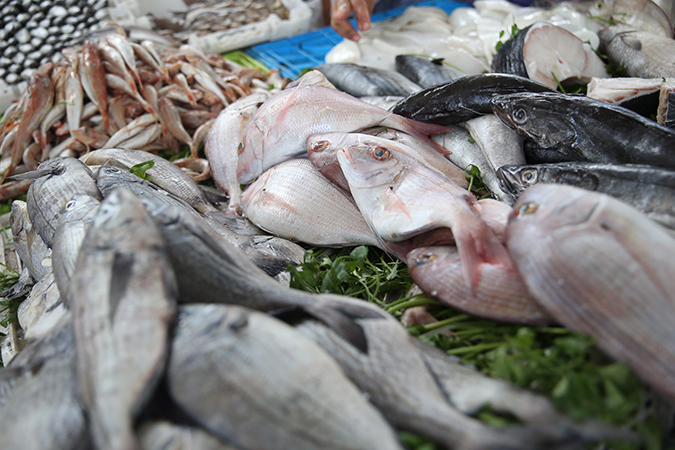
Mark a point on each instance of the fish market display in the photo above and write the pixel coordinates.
(361, 81)
(639, 53)
(34, 32)
(426, 72)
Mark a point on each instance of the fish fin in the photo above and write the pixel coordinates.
(420, 130)
(270, 265)
(395, 203)
(631, 41)
(31, 175)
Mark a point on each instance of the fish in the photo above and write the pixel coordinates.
(463, 98)
(130, 130)
(322, 151)
(587, 129)
(73, 90)
(30, 248)
(261, 364)
(638, 14)
(528, 54)
(401, 198)
(500, 295)
(363, 81)
(637, 94)
(92, 76)
(294, 201)
(279, 129)
(55, 182)
(640, 53)
(42, 310)
(427, 72)
(501, 145)
(646, 188)
(601, 268)
(221, 147)
(122, 319)
(170, 119)
(162, 434)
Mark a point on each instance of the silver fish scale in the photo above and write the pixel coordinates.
(33, 19)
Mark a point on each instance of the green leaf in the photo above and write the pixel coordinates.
(140, 169)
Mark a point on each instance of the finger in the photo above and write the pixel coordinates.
(362, 11)
(340, 11)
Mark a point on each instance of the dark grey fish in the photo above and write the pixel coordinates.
(123, 294)
(252, 380)
(39, 406)
(362, 81)
(649, 189)
(536, 154)
(427, 72)
(527, 54)
(398, 381)
(640, 53)
(580, 127)
(464, 98)
(56, 181)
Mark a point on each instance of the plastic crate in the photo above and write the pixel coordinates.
(293, 55)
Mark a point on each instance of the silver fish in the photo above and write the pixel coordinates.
(122, 319)
(261, 365)
(30, 248)
(361, 81)
(620, 290)
(640, 53)
(42, 310)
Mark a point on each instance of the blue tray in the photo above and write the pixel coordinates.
(293, 55)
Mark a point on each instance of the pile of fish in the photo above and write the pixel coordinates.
(116, 92)
(34, 32)
(202, 18)
(147, 325)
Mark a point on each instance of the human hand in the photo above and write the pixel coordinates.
(339, 14)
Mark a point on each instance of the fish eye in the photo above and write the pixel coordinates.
(599, 5)
(529, 176)
(520, 116)
(70, 205)
(527, 208)
(240, 148)
(380, 153)
(319, 146)
(425, 258)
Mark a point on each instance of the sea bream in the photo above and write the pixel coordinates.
(279, 129)
(401, 198)
(600, 267)
(587, 129)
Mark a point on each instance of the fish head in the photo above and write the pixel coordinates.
(547, 209)
(255, 191)
(370, 166)
(536, 116)
(425, 261)
(515, 179)
(250, 150)
(79, 207)
(120, 211)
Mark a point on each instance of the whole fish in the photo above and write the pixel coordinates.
(463, 98)
(427, 72)
(294, 201)
(279, 129)
(322, 151)
(602, 268)
(124, 296)
(640, 53)
(362, 81)
(73, 90)
(120, 42)
(129, 130)
(29, 246)
(258, 365)
(528, 54)
(92, 76)
(40, 101)
(500, 294)
(170, 119)
(221, 147)
(55, 182)
(581, 127)
(401, 198)
(44, 308)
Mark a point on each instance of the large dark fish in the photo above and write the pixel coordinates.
(427, 72)
(363, 81)
(253, 380)
(464, 98)
(528, 54)
(640, 53)
(581, 127)
(602, 268)
(649, 189)
(123, 296)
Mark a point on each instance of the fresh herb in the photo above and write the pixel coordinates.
(245, 60)
(140, 169)
(9, 307)
(514, 31)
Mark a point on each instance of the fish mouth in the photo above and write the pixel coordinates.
(509, 182)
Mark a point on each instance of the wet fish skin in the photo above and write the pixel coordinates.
(582, 127)
(426, 72)
(463, 98)
(221, 147)
(648, 189)
(500, 294)
(641, 54)
(30, 247)
(295, 201)
(629, 317)
(93, 80)
(279, 129)
(363, 81)
(56, 181)
(262, 364)
(125, 325)
(638, 14)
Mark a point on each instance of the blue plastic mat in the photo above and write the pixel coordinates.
(295, 54)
